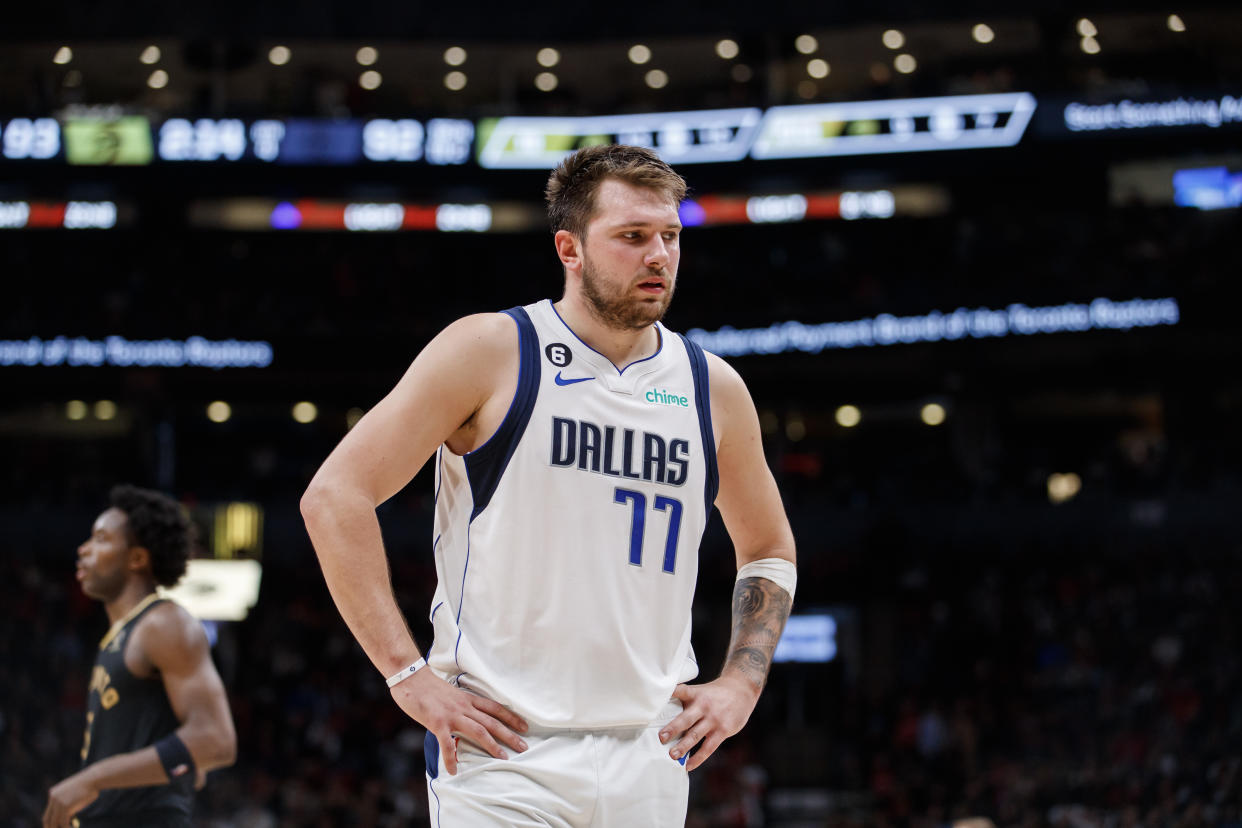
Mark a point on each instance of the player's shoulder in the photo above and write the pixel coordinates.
(723, 376)
(732, 406)
(480, 333)
(169, 629)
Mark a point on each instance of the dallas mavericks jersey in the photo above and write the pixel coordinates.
(566, 546)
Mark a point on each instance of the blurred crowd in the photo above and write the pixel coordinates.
(1060, 679)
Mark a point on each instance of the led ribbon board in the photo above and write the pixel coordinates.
(1144, 115)
(680, 137)
(119, 141)
(214, 590)
(974, 323)
(70, 215)
(25, 138)
(81, 352)
(909, 125)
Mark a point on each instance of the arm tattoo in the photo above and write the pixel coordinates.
(760, 608)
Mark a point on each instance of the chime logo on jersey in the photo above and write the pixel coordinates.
(619, 452)
(661, 396)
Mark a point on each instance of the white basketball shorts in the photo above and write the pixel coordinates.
(613, 778)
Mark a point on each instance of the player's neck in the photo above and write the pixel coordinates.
(621, 346)
(134, 593)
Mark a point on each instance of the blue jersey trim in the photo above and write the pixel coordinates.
(620, 371)
(461, 602)
(432, 788)
(703, 401)
(435, 501)
(431, 755)
(486, 464)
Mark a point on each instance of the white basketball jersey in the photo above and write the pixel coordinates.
(567, 545)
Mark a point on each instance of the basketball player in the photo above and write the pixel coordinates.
(579, 446)
(157, 718)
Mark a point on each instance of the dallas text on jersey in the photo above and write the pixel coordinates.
(589, 447)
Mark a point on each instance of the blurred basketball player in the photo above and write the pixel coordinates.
(157, 717)
(579, 447)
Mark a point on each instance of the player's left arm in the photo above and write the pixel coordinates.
(754, 516)
(175, 645)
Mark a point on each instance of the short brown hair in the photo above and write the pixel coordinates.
(575, 181)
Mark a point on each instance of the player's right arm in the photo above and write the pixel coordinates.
(456, 391)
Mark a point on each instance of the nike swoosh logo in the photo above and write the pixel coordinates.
(562, 381)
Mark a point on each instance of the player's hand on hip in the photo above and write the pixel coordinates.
(66, 798)
(711, 713)
(447, 711)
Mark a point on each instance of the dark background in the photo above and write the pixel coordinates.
(1003, 656)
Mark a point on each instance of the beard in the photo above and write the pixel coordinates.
(616, 308)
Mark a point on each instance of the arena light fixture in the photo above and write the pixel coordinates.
(370, 79)
(219, 411)
(455, 81)
(932, 414)
(639, 54)
(1090, 45)
(105, 410)
(75, 410)
(656, 78)
(1063, 486)
(1086, 28)
(454, 56)
(806, 44)
(795, 429)
(305, 412)
(63, 55)
(848, 416)
(741, 73)
(893, 39)
(546, 81)
(279, 55)
(548, 57)
(366, 56)
(818, 68)
(807, 89)
(1175, 23)
(158, 79)
(352, 416)
(726, 49)
(982, 33)
(150, 55)
(905, 63)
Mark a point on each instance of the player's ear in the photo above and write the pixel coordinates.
(139, 559)
(569, 250)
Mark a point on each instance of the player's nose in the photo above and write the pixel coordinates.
(657, 254)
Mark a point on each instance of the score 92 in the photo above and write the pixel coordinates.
(385, 140)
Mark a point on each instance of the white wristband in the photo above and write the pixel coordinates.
(777, 570)
(405, 672)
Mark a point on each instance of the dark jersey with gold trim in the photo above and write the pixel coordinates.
(127, 713)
